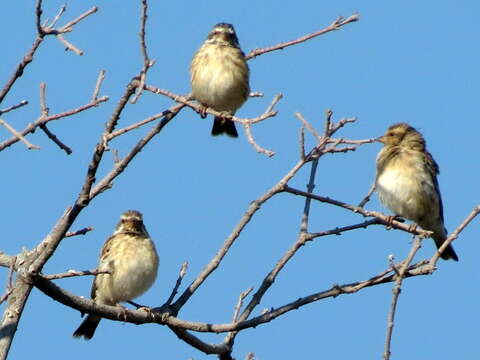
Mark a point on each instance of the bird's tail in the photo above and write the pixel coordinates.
(87, 327)
(448, 253)
(224, 126)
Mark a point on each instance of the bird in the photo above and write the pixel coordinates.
(406, 182)
(130, 257)
(220, 77)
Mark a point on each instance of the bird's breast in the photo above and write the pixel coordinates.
(135, 270)
(400, 189)
(220, 78)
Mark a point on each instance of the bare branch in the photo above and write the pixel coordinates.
(73, 273)
(216, 260)
(79, 232)
(147, 63)
(9, 287)
(198, 344)
(98, 84)
(417, 243)
(68, 45)
(239, 305)
(106, 182)
(13, 107)
(308, 126)
(368, 196)
(454, 235)
(183, 271)
(250, 139)
(142, 317)
(33, 126)
(193, 105)
(384, 219)
(63, 8)
(274, 102)
(55, 139)
(340, 230)
(302, 143)
(68, 26)
(336, 25)
(19, 136)
(141, 123)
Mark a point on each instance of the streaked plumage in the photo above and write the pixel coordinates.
(220, 76)
(130, 257)
(407, 183)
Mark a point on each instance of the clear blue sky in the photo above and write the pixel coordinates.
(406, 61)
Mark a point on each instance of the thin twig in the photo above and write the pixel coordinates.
(384, 219)
(19, 136)
(183, 271)
(368, 196)
(308, 126)
(79, 232)
(147, 63)
(43, 102)
(196, 107)
(33, 126)
(241, 297)
(68, 45)
(63, 8)
(251, 140)
(417, 243)
(13, 107)
(454, 235)
(55, 139)
(141, 123)
(328, 123)
(68, 26)
(302, 143)
(44, 110)
(73, 273)
(339, 22)
(9, 287)
(236, 312)
(98, 84)
(274, 102)
(340, 230)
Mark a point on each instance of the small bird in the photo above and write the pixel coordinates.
(132, 261)
(220, 76)
(407, 183)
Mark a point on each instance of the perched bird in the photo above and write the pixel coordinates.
(407, 183)
(220, 76)
(130, 257)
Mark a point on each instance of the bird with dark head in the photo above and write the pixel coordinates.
(220, 76)
(407, 183)
(131, 260)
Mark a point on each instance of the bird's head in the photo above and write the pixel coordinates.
(402, 134)
(131, 221)
(223, 33)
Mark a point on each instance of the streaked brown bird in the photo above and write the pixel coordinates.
(407, 183)
(220, 76)
(132, 261)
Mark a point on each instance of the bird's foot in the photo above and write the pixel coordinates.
(203, 111)
(124, 311)
(391, 219)
(413, 228)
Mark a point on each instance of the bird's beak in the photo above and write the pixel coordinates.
(381, 139)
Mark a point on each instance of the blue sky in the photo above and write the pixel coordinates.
(402, 62)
